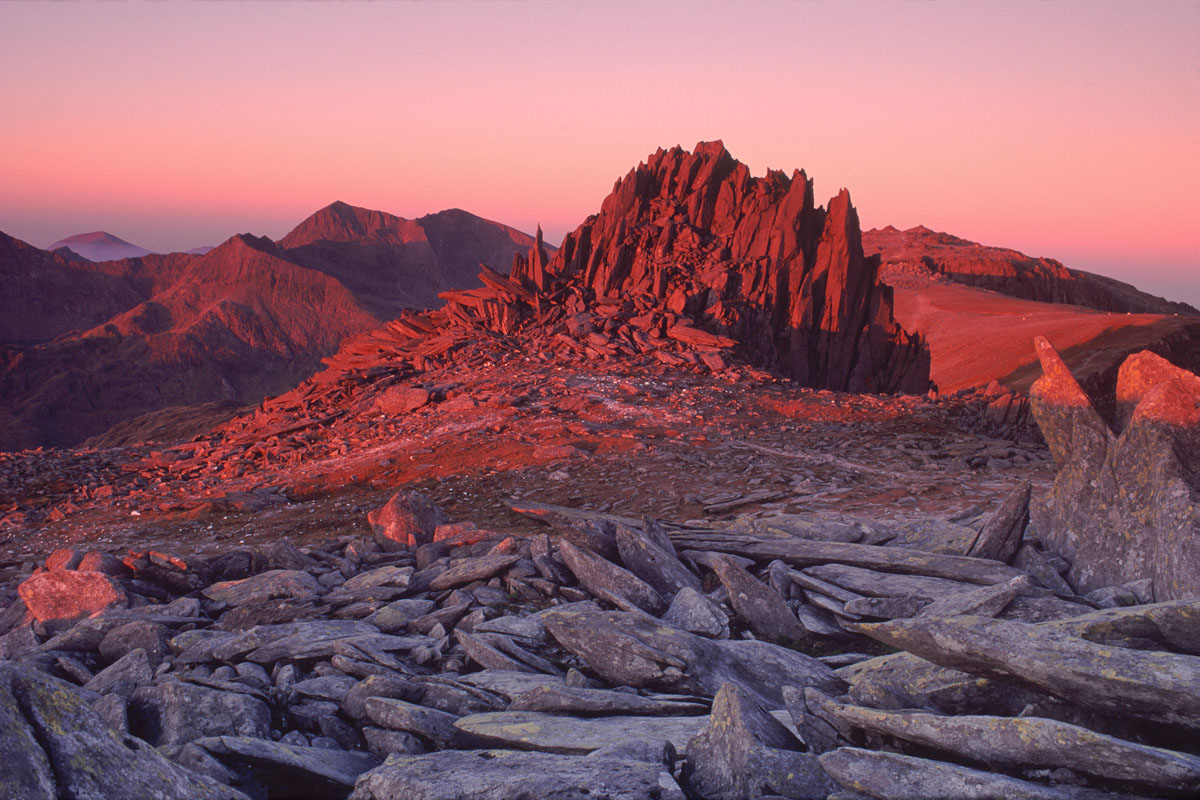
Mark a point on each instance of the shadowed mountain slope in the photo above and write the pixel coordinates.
(90, 345)
(392, 263)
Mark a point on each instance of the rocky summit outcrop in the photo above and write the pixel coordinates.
(1124, 506)
(922, 252)
(752, 259)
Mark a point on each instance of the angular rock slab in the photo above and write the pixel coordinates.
(899, 777)
(1001, 535)
(745, 752)
(509, 683)
(610, 582)
(400, 715)
(763, 609)
(473, 569)
(1160, 687)
(637, 650)
(512, 775)
(562, 699)
(27, 772)
(1122, 508)
(177, 713)
(1025, 743)
(87, 759)
(902, 680)
(802, 552)
(290, 770)
(567, 735)
(1176, 624)
(406, 521)
(693, 612)
(986, 601)
(650, 555)
(274, 584)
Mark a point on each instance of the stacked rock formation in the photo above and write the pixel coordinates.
(749, 258)
(1124, 505)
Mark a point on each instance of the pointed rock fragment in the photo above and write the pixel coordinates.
(610, 582)
(693, 612)
(1160, 687)
(1001, 535)
(759, 605)
(1025, 743)
(646, 557)
(744, 752)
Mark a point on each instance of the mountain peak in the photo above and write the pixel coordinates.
(341, 222)
(100, 246)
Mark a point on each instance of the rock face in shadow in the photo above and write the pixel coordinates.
(55, 746)
(1124, 504)
(749, 258)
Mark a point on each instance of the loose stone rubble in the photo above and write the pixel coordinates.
(665, 660)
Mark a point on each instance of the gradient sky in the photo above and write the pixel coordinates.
(1064, 129)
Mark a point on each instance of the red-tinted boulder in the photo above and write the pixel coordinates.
(406, 521)
(69, 594)
(64, 558)
(401, 399)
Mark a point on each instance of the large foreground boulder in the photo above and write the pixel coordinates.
(54, 746)
(1125, 505)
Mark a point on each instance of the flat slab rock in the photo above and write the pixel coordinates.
(511, 775)
(311, 771)
(271, 585)
(902, 777)
(599, 702)
(553, 733)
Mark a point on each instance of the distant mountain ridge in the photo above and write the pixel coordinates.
(85, 345)
(1009, 272)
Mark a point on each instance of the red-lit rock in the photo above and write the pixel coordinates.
(69, 594)
(407, 520)
(401, 399)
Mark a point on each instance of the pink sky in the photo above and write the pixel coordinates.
(1064, 129)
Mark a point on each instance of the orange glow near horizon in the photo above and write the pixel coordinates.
(1063, 129)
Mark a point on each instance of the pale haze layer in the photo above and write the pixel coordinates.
(1062, 129)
